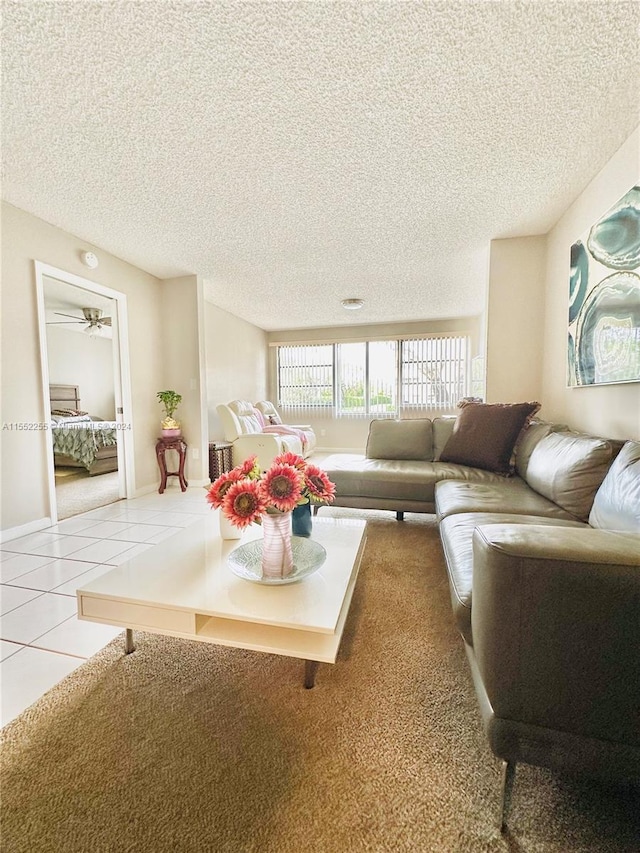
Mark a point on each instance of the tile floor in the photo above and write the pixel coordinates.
(41, 639)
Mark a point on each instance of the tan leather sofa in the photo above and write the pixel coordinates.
(544, 576)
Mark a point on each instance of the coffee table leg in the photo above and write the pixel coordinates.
(129, 645)
(310, 669)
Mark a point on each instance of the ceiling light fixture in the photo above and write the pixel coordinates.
(352, 304)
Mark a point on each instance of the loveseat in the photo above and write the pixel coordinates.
(544, 576)
(252, 432)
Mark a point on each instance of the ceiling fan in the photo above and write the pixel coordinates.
(92, 316)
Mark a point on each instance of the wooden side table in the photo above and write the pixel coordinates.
(178, 444)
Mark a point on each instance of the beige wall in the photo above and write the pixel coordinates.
(348, 434)
(25, 238)
(86, 361)
(611, 410)
(236, 363)
(515, 319)
(181, 354)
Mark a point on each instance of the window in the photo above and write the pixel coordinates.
(367, 378)
(434, 372)
(305, 376)
(375, 378)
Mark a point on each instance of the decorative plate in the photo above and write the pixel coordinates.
(246, 561)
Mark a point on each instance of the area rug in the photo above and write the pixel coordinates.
(182, 746)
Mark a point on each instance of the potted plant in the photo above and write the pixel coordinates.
(170, 400)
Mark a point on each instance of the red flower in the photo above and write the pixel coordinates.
(281, 487)
(318, 485)
(243, 503)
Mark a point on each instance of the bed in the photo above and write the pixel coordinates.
(80, 440)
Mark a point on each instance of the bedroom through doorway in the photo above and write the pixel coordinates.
(83, 394)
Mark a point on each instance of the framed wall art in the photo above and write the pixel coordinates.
(604, 298)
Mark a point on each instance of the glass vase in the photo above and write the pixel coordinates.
(277, 559)
(301, 520)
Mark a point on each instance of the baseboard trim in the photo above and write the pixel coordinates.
(25, 529)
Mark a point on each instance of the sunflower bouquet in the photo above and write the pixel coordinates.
(246, 493)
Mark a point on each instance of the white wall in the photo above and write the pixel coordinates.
(25, 238)
(610, 410)
(85, 361)
(515, 320)
(236, 363)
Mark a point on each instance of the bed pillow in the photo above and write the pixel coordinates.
(485, 434)
(59, 420)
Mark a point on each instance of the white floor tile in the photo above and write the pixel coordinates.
(176, 519)
(107, 529)
(8, 649)
(55, 546)
(140, 532)
(20, 564)
(134, 516)
(70, 587)
(52, 575)
(100, 551)
(75, 637)
(12, 597)
(77, 524)
(23, 544)
(41, 614)
(27, 675)
(105, 513)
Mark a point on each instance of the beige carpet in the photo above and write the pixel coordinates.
(187, 747)
(77, 492)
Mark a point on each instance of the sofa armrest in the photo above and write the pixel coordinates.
(264, 445)
(556, 627)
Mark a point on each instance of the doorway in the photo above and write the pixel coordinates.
(83, 348)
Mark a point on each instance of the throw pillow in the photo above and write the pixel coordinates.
(486, 433)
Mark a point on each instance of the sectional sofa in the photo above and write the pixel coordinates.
(544, 574)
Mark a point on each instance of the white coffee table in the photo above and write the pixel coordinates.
(183, 587)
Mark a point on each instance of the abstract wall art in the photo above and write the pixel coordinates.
(604, 298)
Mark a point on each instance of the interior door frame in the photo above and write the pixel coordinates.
(121, 376)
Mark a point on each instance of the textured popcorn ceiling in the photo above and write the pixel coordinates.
(294, 154)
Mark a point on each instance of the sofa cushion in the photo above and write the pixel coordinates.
(616, 505)
(568, 468)
(246, 416)
(456, 533)
(408, 439)
(485, 434)
(508, 495)
(533, 432)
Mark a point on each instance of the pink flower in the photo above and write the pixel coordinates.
(281, 487)
(218, 489)
(249, 468)
(318, 486)
(243, 503)
(291, 459)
